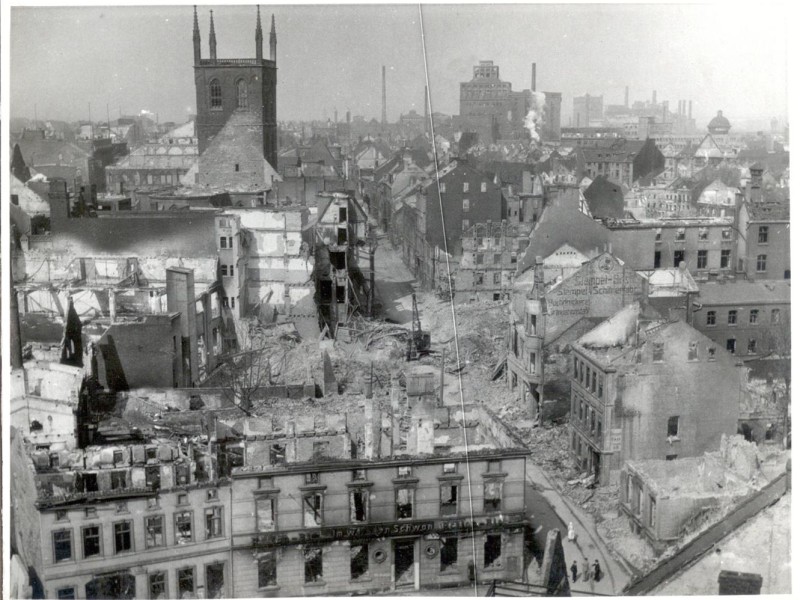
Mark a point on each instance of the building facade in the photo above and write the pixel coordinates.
(748, 318)
(648, 390)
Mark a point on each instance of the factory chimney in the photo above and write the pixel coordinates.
(533, 77)
(383, 103)
(655, 98)
(690, 109)
(626, 96)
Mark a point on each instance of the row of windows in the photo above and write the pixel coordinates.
(497, 258)
(478, 278)
(313, 504)
(733, 317)
(678, 256)
(586, 376)
(702, 235)
(313, 565)
(585, 415)
(464, 188)
(155, 534)
(158, 584)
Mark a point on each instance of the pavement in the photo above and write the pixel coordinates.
(587, 542)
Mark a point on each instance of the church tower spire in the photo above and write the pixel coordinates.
(196, 38)
(273, 42)
(259, 36)
(212, 39)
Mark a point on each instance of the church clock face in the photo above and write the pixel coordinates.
(606, 264)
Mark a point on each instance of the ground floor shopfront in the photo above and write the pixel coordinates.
(394, 557)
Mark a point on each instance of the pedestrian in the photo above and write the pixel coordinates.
(571, 532)
(585, 569)
(574, 569)
(597, 573)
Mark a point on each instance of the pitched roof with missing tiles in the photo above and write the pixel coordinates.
(743, 291)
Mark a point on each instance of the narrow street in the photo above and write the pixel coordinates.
(394, 283)
(549, 509)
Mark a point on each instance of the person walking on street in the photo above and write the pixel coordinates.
(597, 573)
(574, 569)
(585, 569)
(571, 532)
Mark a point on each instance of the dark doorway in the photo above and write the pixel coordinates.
(215, 580)
(404, 563)
(121, 586)
(746, 431)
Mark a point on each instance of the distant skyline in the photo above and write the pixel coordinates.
(729, 58)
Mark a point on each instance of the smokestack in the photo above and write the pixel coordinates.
(335, 115)
(666, 109)
(533, 76)
(690, 109)
(626, 96)
(383, 103)
(655, 98)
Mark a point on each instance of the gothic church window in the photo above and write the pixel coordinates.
(216, 94)
(241, 94)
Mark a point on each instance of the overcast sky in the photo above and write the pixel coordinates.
(732, 58)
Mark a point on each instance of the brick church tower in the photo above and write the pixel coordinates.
(243, 88)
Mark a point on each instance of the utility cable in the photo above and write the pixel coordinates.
(452, 305)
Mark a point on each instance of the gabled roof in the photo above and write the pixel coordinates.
(605, 198)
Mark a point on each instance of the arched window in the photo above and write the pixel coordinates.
(241, 94)
(216, 94)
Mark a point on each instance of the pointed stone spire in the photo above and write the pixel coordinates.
(212, 38)
(196, 38)
(259, 36)
(273, 42)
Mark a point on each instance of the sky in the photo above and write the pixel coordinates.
(68, 61)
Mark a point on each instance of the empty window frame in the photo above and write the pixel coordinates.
(312, 509)
(448, 499)
(183, 527)
(154, 531)
(267, 570)
(493, 551)
(213, 522)
(448, 554)
(404, 503)
(312, 558)
(359, 505)
(359, 561)
(492, 497)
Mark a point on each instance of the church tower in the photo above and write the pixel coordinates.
(241, 91)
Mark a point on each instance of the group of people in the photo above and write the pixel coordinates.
(586, 571)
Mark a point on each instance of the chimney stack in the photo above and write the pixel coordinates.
(690, 109)
(383, 103)
(655, 98)
(533, 77)
(626, 96)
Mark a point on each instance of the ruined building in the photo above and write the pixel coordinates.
(402, 497)
(644, 387)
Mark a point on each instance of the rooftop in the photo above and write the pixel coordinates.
(743, 291)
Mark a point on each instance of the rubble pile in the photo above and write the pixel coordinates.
(628, 546)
